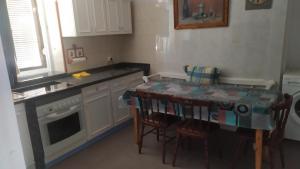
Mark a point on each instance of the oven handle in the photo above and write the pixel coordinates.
(61, 114)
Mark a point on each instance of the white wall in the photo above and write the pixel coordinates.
(293, 35)
(251, 47)
(11, 153)
(96, 48)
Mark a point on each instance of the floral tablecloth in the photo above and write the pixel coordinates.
(234, 106)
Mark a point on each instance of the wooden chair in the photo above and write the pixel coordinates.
(155, 117)
(190, 127)
(273, 140)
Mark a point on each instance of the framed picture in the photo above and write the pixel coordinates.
(193, 14)
(258, 4)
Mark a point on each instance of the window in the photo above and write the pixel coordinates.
(27, 31)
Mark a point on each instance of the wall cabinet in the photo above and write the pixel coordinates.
(103, 104)
(25, 137)
(94, 17)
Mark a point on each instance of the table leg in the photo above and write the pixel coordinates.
(258, 148)
(136, 121)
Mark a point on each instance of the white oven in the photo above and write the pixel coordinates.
(62, 126)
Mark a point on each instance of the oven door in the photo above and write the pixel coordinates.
(62, 131)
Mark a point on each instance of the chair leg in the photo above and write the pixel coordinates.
(220, 145)
(157, 134)
(206, 153)
(282, 156)
(164, 146)
(141, 139)
(271, 156)
(178, 142)
(246, 147)
(237, 153)
(189, 142)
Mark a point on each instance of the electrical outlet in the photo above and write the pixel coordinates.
(109, 59)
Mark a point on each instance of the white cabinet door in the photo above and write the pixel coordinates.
(120, 109)
(94, 17)
(83, 17)
(125, 16)
(98, 8)
(97, 107)
(25, 137)
(113, 15)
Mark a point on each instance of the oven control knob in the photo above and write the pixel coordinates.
(50, 109)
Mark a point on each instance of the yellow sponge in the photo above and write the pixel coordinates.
(80, 75)
(84, 74)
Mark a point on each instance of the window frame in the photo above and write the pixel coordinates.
(30, 77)
(41, 47)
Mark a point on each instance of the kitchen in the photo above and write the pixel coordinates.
(96, 50)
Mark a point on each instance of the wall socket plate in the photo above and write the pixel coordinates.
(109, 59)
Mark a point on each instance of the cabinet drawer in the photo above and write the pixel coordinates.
(94, 89)
(120, 82)
(135, 77)
(126, 80)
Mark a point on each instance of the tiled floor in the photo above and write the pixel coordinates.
(119, 152)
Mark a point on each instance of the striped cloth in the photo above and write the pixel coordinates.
(202, 74)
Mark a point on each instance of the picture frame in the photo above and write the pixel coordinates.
(195, 14)
(258, 4)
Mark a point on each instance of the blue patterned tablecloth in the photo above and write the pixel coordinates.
(234, 106)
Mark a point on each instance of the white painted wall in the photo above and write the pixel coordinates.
(293, 35)
(11, 153)
(96, 48)
(251, 47)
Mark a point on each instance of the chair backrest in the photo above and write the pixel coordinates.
(281, 110)
(152, 103)
(187, 107)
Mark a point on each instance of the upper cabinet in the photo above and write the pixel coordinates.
(94, 17)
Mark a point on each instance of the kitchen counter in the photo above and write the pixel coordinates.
(47, 90)
(69, 83)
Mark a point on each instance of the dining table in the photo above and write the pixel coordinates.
(233, 106)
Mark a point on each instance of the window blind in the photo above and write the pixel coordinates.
(24, 31)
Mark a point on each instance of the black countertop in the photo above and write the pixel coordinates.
(67, 82)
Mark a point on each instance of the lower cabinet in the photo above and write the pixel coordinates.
(120, 110)
(25, 137)
(103, 108)
(103, 104)
(97, 108)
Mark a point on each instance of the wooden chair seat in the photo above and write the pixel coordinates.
(191, 127)
(159, 120)
(196, 128)
(249, 133)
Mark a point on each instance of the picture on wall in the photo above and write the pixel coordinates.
(258, 4)
(193, 14)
